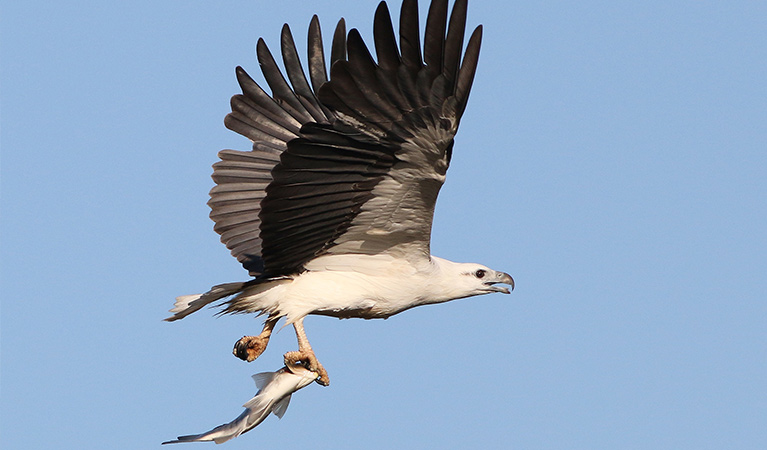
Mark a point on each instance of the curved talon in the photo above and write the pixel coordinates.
(310, 362)
(248, 348)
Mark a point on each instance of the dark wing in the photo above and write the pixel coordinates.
(364, 177)
(270, 122)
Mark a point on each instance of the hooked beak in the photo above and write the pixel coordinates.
(501, 278)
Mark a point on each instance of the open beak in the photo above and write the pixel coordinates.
(501, 278)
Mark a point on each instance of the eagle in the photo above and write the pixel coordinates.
(331, 210)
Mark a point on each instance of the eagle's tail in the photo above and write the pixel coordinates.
(257, 297)
(187, 304)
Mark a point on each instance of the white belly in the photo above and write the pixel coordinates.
(357, 286)
(346, 295)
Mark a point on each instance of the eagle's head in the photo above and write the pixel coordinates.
(461, 280)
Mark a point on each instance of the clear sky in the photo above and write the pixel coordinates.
(613, 159)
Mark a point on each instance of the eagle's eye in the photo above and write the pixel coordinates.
(480, 273)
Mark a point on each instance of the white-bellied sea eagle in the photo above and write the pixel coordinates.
(331, 210)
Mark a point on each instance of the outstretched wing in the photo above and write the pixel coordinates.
(270, 121)
(362, 172)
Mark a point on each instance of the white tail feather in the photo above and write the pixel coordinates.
(187, 304)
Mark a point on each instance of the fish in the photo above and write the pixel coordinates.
(273, 396)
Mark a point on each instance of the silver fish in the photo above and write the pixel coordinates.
(273, 396)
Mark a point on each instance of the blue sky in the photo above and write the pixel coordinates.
(613, 159)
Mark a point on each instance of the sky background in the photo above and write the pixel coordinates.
(613, 159)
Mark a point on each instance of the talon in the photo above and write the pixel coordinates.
(248, 348)
(309, 361)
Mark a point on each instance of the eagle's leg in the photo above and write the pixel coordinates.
(306, 355)
(248, 348)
